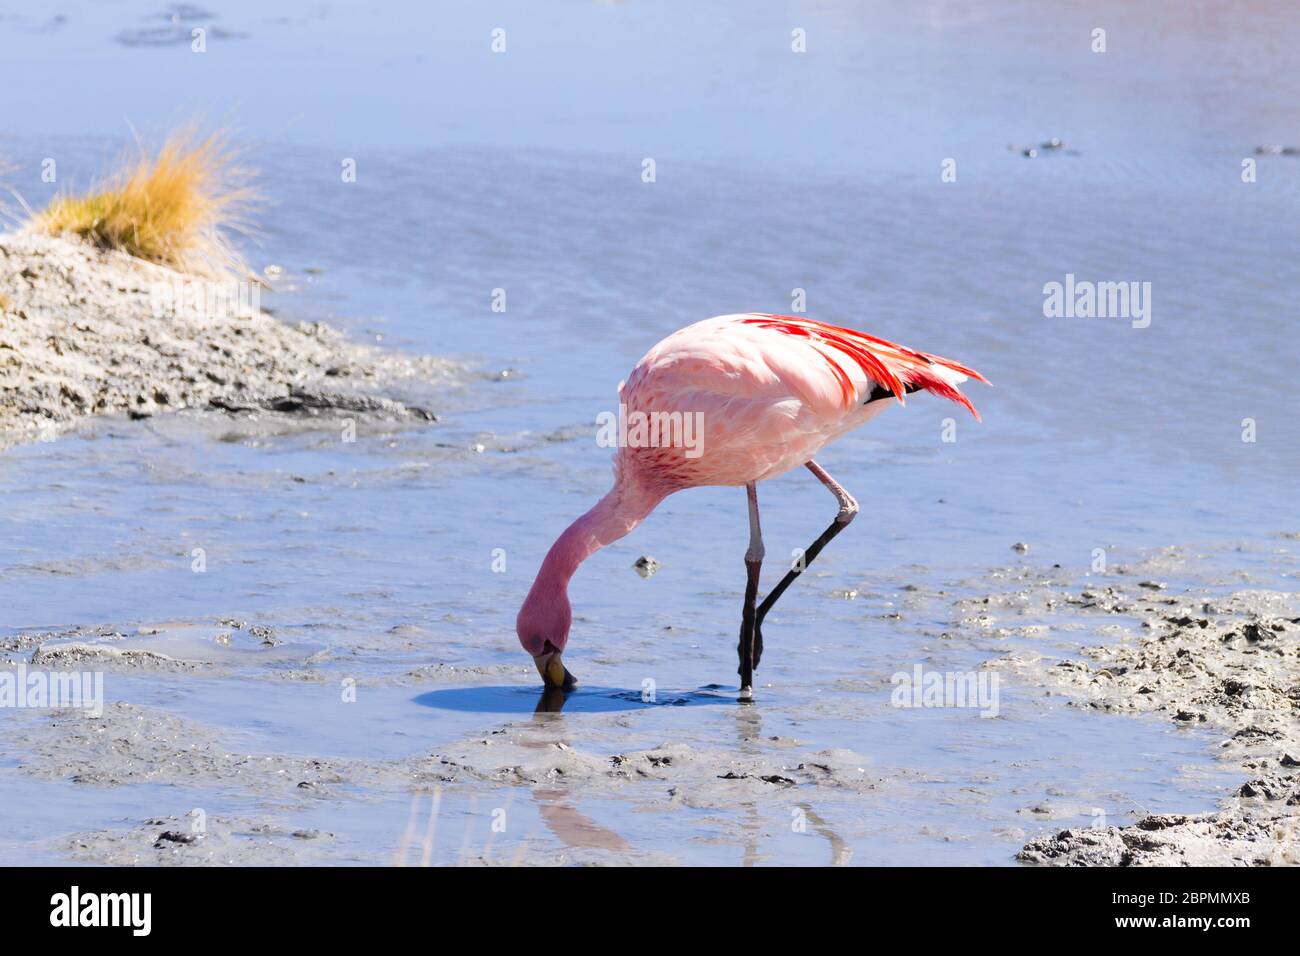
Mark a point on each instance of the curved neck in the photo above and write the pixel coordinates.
(608, 520)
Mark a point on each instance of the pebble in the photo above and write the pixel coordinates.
(645, 565)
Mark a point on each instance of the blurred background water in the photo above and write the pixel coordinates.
(775, 171)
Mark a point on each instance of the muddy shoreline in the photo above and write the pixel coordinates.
(1124, 643)
(89, 332)
(1228, 663)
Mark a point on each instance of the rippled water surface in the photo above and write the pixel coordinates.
(775, 171)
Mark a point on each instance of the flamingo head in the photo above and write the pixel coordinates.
(543, 629)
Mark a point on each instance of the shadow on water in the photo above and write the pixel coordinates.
(580, 700)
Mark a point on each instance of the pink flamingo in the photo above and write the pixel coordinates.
(770, 391)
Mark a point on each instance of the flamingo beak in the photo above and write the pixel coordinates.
(553, 671)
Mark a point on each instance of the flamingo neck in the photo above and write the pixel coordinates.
(614, 516)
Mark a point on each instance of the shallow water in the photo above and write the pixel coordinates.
(370, 560)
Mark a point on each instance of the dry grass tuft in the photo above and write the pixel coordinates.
(177, 208)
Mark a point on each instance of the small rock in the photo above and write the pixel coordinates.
(266, 634)
(1254, 632)
(645, 565)
(1021, 547)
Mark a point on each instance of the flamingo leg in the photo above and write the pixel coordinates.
(748, 621)
(848, 511)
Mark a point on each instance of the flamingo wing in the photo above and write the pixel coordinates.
(772, 391)
(890, 368)
(759, 356)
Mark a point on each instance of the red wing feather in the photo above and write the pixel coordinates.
(884, 362)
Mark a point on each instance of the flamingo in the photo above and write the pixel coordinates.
(770, 391)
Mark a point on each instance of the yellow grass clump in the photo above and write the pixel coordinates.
(177, 208)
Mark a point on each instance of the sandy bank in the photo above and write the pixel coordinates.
(86, 332)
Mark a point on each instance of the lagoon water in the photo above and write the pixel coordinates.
(774, 171)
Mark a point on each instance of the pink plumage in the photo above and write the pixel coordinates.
(771, 391)
(768, 392)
